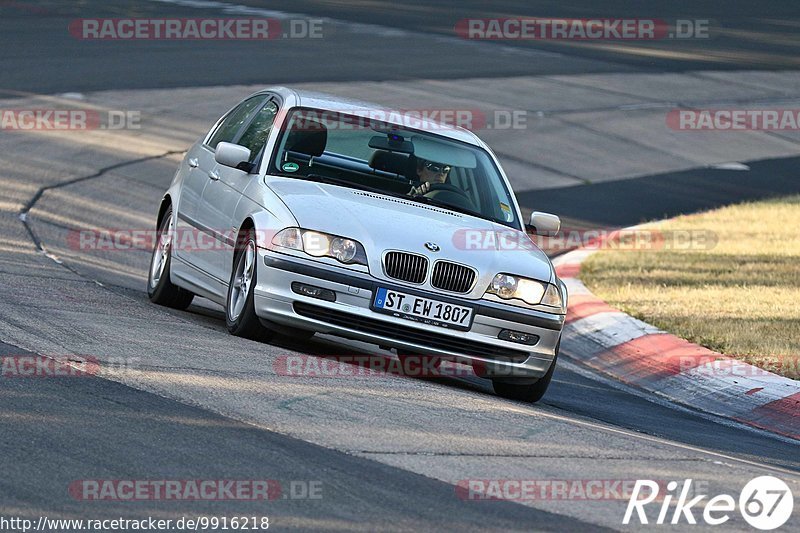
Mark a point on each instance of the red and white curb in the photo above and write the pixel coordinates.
(638, 354)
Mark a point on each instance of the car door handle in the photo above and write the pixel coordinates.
(194, 163)
(214, 175)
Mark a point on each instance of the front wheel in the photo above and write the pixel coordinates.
(160, 288)
(240, 312)
(528, 392)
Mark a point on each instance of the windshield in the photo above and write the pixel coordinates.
(358, 152)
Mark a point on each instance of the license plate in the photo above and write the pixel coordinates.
(422, 310)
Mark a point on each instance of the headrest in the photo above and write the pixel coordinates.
(393, 162)
(307, 137)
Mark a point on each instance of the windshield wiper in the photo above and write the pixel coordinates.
(319, 178)
(445, 205)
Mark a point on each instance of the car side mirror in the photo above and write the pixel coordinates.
(233, 155)
(544, 224)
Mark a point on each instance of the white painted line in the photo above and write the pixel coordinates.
(72, 96)
(729, 166)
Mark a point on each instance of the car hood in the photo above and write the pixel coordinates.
(383, 223)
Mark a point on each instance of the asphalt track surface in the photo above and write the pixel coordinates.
(667, 195)
(117, 429)
(383, 449)
(35, 43)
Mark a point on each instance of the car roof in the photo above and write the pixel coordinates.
(329, 102)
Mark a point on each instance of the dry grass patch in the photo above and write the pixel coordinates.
(740, 297)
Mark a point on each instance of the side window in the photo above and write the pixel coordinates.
(255, 136)
(235, 120)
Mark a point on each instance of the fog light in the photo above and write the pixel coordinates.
(313, 292)
(518, 336)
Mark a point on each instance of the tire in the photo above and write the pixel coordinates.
(529, 392)
(240, 313)
(160, 288)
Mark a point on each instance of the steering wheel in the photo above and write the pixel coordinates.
(447, 187)
(457, 197)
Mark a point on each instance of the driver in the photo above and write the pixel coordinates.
(429, 172)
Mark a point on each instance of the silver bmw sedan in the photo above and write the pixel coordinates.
(304, 213)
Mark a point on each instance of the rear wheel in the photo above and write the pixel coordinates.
(528, 392)
(240, 313)
(160, 288)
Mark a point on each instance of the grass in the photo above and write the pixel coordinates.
(736, 290)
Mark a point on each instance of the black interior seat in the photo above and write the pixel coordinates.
(307, 137)
(392, 162)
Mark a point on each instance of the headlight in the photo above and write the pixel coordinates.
(318, 244)
(343, 250)
(529, 291)
(504, 286)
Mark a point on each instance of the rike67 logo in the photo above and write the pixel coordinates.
(766, 503)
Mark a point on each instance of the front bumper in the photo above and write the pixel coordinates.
(350, 316)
